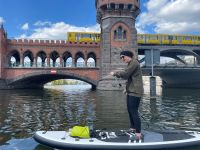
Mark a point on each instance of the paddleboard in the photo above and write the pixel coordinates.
(120, 139)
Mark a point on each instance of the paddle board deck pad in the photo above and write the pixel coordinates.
(122, 139)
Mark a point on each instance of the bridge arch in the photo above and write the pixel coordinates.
(172, 53)
(91, 59)
(13, 58)
(41, 58)
(38, 79)
(197, 51)
(79, 56)
(28, 58)
(67, 59)
(54, 56)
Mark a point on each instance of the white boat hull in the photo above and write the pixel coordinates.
(152, 140)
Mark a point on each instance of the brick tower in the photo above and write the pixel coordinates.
(3, 39)
(118, 33)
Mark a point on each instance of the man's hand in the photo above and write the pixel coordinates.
(112, 73)
(124, 92)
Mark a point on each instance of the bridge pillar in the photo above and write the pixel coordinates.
(98, 63)
(61, 61)
(152, 87)
(73, 62)
(85, 62)
(3, 50)
(21, 60)
(118, 31)
(34, 62)
(152, 57)
(48, 61)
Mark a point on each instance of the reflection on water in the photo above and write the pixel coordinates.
(56, 108)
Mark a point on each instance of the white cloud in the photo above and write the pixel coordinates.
(25, 26)
(1, 20)
(41, 23)
(56, 30)
(171, 16)
(161, 16)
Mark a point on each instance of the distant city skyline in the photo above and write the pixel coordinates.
(53, 19)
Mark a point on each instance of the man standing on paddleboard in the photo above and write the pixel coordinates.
(134, 89)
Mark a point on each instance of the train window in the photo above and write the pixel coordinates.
(179, 38)
(175, 38)
(170, 37)
(78, 37)
(139, 37)
(130, 6)
(86, 36)
(164, 37)
(93, 37)
(147, 37)
(121, 6)
(188, 38)
(116, 6)
(112, 6)
(153, 37)
(125, 6)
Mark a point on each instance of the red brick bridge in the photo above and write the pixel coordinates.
(32, 63)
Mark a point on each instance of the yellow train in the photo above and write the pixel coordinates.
(83, 37)
(156, 39)
(166, 39)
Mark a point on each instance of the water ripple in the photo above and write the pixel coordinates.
(57, 108)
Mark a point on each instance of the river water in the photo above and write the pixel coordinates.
(22, 112)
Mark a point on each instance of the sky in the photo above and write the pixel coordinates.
(52, 19)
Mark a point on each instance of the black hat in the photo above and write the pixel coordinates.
(126, 53)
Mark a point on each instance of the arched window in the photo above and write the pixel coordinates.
(120, 34)
(68, 62)
(14, 59)
(41, 59)
(91, 62)
(27, 62)
(119, 31)
(115, 35)
(80, 62)
(124, 34)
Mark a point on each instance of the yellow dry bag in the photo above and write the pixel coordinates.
(81, 132)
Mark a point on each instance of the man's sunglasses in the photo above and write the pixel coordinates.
(121, 57)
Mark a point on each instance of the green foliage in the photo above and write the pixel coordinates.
(66, 82)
